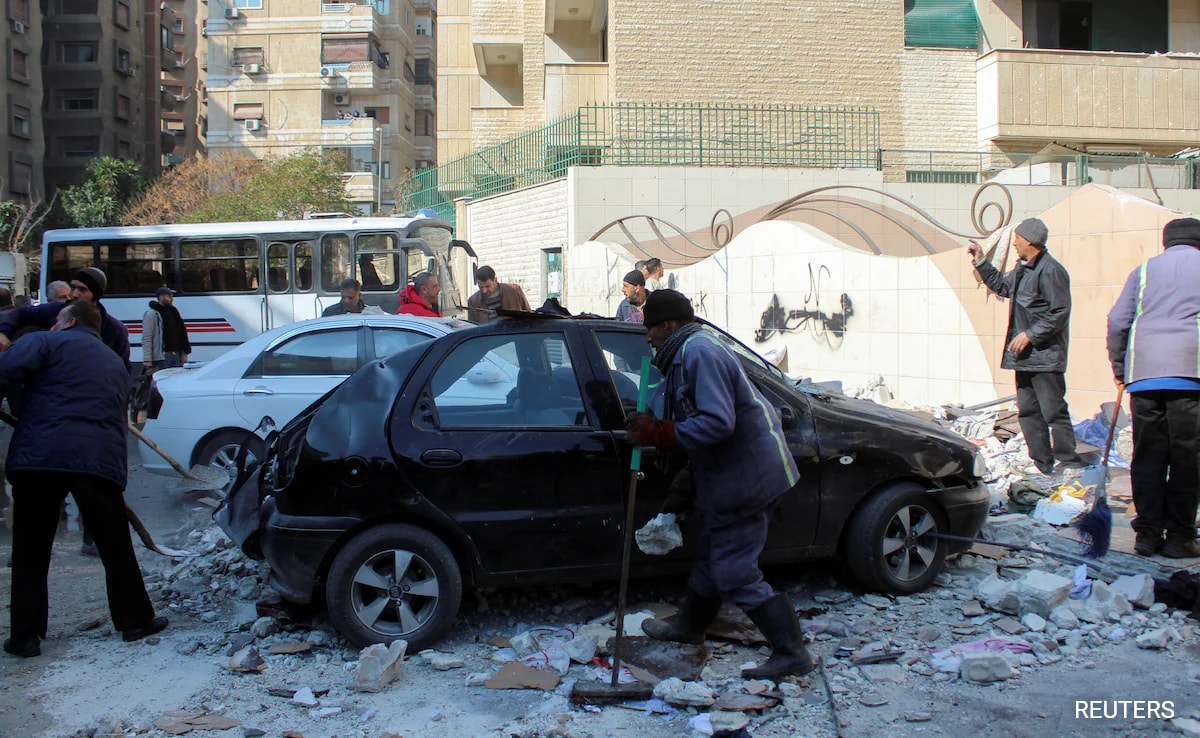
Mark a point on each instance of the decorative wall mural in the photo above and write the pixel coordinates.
(828, 328)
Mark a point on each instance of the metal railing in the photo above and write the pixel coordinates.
(1066, 170)
(656, 135)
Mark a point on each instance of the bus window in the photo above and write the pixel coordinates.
(277, 267)
(378, 262)
(68, 258)
(137, 268)
(335, 261)
(304, 264)
(227, 265)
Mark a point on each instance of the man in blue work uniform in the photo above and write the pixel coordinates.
(741, 468)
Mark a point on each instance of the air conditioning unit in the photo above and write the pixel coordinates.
(253, 124)
(232, 13)
(341, 99)
(326, 71)
(251, 69)
(18, 27)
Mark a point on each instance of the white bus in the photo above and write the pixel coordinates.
(236, 280)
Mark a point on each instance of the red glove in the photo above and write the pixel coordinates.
(646, 430)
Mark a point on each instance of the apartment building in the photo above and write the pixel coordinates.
(22, 84)
(949, 75)
(356, 78)
(181, 93)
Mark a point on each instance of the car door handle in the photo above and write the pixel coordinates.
(441, 457)
(258, 391)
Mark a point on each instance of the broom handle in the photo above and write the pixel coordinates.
(1112, 425)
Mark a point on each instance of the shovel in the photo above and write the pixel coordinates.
(592, 693)
(197, 479)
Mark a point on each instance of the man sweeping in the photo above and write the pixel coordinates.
(741, 468)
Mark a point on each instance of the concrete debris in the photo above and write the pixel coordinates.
(305, 698)
(442, 661)
(1155, 640)
(1040, 592)
(675, 691)
(264, 627)
(659, 536)
(247, 659)
(379, 666)
(1137, 589)
(986, 667)
(1033, 621)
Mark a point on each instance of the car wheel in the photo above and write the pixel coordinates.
(394, 581)
(222, 452)
(891, 543)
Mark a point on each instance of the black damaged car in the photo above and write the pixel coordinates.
(433, 470)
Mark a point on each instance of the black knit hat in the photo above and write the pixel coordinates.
(635, 278)
(1181, 230)
(663, 305)
(94, 279)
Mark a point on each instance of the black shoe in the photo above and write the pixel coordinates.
(690, 624)
(89, 549)
(24, 647)
(149, 629)
(777, 620)
(1148, 542)
(1181, 548)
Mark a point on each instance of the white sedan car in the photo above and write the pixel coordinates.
(202, 415)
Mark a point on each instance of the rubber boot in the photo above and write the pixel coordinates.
(690, 625)
(777, 620)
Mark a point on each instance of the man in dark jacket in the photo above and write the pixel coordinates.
(351, 301)
(1039, 293)
(87, 284)
(740, 466)
(1154, 348)
(421, 297)
(493, 295)
(165, 341)
(70, 439)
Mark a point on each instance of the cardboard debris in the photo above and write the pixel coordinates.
(301, 647)
(500, 641)
(663, 658)
(174, 722)
(515, 675)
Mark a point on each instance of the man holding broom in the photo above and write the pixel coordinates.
(1154, 348)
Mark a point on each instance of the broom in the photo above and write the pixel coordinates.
(1095, 525)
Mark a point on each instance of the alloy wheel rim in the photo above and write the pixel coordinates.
(395, 592)
(909, 543)
(226, 458)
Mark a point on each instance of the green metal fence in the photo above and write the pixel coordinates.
(1067, 170)
(656, 135)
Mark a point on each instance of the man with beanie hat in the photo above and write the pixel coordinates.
(716, 415)
(634, 289)
(1038, 291)
(1154, 349)
(87, 284)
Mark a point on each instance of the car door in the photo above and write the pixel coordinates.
(289, 375)
(527, 474)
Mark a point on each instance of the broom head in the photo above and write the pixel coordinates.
(1095, 529)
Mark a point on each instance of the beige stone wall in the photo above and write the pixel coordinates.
(510, 231)
(1185, 26)
(937, 100)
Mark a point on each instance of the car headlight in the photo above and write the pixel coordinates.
(979, 467)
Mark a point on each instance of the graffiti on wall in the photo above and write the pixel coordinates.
(825, 327)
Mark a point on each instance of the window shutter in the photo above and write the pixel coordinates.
(945, 23)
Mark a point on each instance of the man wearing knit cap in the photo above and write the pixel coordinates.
(1038, 290)
(1154, 348)
(86, 284)
(741, 468)
(633, 286)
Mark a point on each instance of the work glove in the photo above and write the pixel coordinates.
(681, 495)
(646, 430)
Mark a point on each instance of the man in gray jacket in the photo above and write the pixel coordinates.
(1154, 348)
(1039, 293)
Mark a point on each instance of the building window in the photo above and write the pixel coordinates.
(345, 49)
(124, 149)
(177, 26)
(19, 117)
(79, 7)
(20, 174)
(425, 124)
(18, 10)
(552, 273)
(421, 69)
(248, 111)
(124, 106)
(248, 4)
(123, 61)
(249, 55)
(386, 172)
(121, 13)
(18, 65)
(79, 52)
(79, 146)
(381, 115)
(80, 99)
(941, 23)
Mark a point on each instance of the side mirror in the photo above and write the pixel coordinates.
(787, 417)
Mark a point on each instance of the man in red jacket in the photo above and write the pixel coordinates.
(421, 297)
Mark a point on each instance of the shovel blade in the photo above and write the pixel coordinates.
(206, 478)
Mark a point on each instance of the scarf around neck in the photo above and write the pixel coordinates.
(666, 353)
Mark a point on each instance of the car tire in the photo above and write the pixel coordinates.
(890, 543)
(222, 452)
(369, 603)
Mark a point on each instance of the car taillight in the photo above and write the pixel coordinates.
(155, 404)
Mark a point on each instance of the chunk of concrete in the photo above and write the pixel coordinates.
(985, 667)
(379, 666)
(442, 661)
(1034, 622)
(581, 649)
(1137, 588)
(998, 594)
(1154, 640)
(1040, 592)
(675, 691)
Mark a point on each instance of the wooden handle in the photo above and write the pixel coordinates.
(1112, 425)
(174, 464)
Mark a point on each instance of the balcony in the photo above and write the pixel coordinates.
(571, 86)
(1088, 96)
(361, 186)
(359, 75)
(349, 17)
